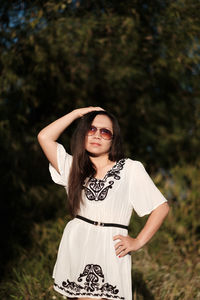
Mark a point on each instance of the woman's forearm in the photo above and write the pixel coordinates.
(153, 223)
(54, 130)
(48, 136)
(127, 244)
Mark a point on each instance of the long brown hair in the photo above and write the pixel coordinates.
(82, 166)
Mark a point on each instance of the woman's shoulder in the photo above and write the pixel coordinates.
(134, 163)
(136, 169)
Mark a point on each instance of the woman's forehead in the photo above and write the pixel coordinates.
(102, 121)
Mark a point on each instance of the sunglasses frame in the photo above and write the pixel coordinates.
(100, 131)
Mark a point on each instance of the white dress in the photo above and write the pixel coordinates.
(87, 265)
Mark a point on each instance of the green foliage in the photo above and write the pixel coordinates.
(184, 190)
(31, 276)
(142, 65)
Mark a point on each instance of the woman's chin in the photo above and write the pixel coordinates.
(95, 153)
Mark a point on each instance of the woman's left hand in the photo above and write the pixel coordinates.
(125, 245)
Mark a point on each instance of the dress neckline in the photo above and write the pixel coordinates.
(97, 189)
(108, 172)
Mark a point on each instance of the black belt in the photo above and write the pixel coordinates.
(100, 223)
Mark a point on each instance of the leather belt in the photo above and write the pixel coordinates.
(101, 223)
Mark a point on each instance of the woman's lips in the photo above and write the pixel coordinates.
(95, 144)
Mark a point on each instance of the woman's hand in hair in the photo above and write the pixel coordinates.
(82, 111)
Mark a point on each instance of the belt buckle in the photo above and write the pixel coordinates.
(99, 223)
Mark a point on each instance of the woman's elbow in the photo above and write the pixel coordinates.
(41, 136)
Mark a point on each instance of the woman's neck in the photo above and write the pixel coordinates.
(102, 164)
(100, 161)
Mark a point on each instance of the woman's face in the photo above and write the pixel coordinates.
(96, 144)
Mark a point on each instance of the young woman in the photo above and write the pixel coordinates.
(103, 188)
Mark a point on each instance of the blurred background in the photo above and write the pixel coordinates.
(141, 61)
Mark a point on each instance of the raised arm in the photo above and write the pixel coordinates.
(47, 136)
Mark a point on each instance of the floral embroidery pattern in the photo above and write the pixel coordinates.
(94, 284)
(97, 189)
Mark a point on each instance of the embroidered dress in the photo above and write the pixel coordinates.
(87, 265)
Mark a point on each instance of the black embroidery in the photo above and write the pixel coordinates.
(97, 189)
(93, 286)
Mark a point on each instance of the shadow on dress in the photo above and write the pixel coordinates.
(139, 287)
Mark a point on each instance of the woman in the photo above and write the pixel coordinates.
(103, 187)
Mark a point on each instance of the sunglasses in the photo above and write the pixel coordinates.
(106, 134)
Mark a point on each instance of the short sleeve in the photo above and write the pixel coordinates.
(64, 163)
(144, 195)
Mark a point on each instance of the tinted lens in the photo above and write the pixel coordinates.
(106, 134)
(92, 130)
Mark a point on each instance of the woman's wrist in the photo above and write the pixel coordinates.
(136, 244)
(76, 114)
(139, 242)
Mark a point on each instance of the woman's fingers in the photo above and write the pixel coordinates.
(120, 250)
(123, 253)
(126, 244)
(85, 110)
(119, 244)
(98, 108)
(117, 237)
(120, 247)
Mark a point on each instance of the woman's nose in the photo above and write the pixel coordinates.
(97, 133)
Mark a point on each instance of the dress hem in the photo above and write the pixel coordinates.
(64, 292)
